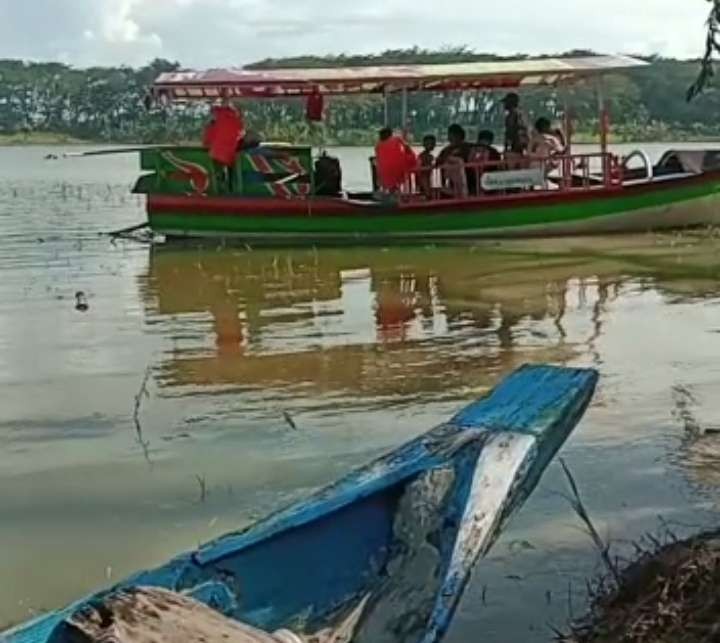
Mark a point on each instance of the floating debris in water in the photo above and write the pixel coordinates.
(520, 545)
(81, 304)
(202, 483)
(290, 421)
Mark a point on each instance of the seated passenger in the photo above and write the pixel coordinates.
(251, 141)
(427, 163)
(457, 145)
(485, 157)
(546, 144)
(485, 152)
(458, 180)
(394, 160)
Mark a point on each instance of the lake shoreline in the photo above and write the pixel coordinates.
(667, 594)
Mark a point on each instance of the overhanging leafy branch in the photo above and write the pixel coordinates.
(712, 46)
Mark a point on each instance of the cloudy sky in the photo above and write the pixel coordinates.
(205, 33)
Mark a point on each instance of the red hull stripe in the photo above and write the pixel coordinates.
(324, 206)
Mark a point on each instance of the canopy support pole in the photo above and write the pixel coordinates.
(567, 127)
(386, 106)
(405, 129)
(604, 120)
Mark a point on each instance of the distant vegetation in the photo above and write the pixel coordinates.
(46, 101)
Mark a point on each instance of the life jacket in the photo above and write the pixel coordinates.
(315, 107)
(225, 135)
(394, 160)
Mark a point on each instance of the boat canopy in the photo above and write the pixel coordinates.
(275, 83)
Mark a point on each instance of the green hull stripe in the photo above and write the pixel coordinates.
(448, 221)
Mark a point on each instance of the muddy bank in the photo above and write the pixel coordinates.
(671, 595)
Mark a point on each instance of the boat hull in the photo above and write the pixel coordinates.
(395, 541)
(662, 205)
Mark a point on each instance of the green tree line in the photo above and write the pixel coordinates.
(108, 104)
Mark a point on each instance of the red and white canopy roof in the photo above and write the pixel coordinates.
(270, 83)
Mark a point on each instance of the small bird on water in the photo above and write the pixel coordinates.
(81, 303)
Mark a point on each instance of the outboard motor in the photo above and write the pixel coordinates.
(328, 176)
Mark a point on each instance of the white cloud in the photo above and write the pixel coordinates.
(203, 33)
(118, 25)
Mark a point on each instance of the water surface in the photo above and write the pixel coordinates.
(364, 348)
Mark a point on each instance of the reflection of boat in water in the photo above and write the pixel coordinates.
(393, 543)
(371, 322)
(699, 451)
(366, 322)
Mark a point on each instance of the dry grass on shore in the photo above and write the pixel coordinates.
(668, 595)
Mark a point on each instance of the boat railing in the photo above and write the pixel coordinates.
(525, 176)
(647, 164)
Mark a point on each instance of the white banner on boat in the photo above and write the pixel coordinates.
(513, 179)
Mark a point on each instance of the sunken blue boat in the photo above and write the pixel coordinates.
(391, 546)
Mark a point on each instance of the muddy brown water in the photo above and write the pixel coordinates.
(363, 348)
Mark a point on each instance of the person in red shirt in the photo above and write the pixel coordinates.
(394, 160)
(222, 137)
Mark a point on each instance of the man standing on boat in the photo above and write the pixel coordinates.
(222, 137)
(516, 131)
(394, 160)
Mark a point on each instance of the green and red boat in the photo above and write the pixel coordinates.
(277, 198)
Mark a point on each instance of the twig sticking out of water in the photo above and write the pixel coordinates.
(290, 421)
(202, 483)
(142, 394)
(579, 508)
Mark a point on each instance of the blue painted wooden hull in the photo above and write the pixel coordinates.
(395, 541)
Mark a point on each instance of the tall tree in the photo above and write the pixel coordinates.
(712, 46)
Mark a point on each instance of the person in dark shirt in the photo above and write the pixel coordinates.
(516, 131)
(457, 145)
(486, 156)
(453, 158)
(485, 151)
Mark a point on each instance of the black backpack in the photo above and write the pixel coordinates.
(328, 176)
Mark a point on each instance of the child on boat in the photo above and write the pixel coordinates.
(546, 145)
(426, 163)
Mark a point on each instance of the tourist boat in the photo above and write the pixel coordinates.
(277, 199)
(392, 543)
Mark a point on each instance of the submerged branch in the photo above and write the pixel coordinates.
(579, 508)
(202, 483)
(142, 394)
